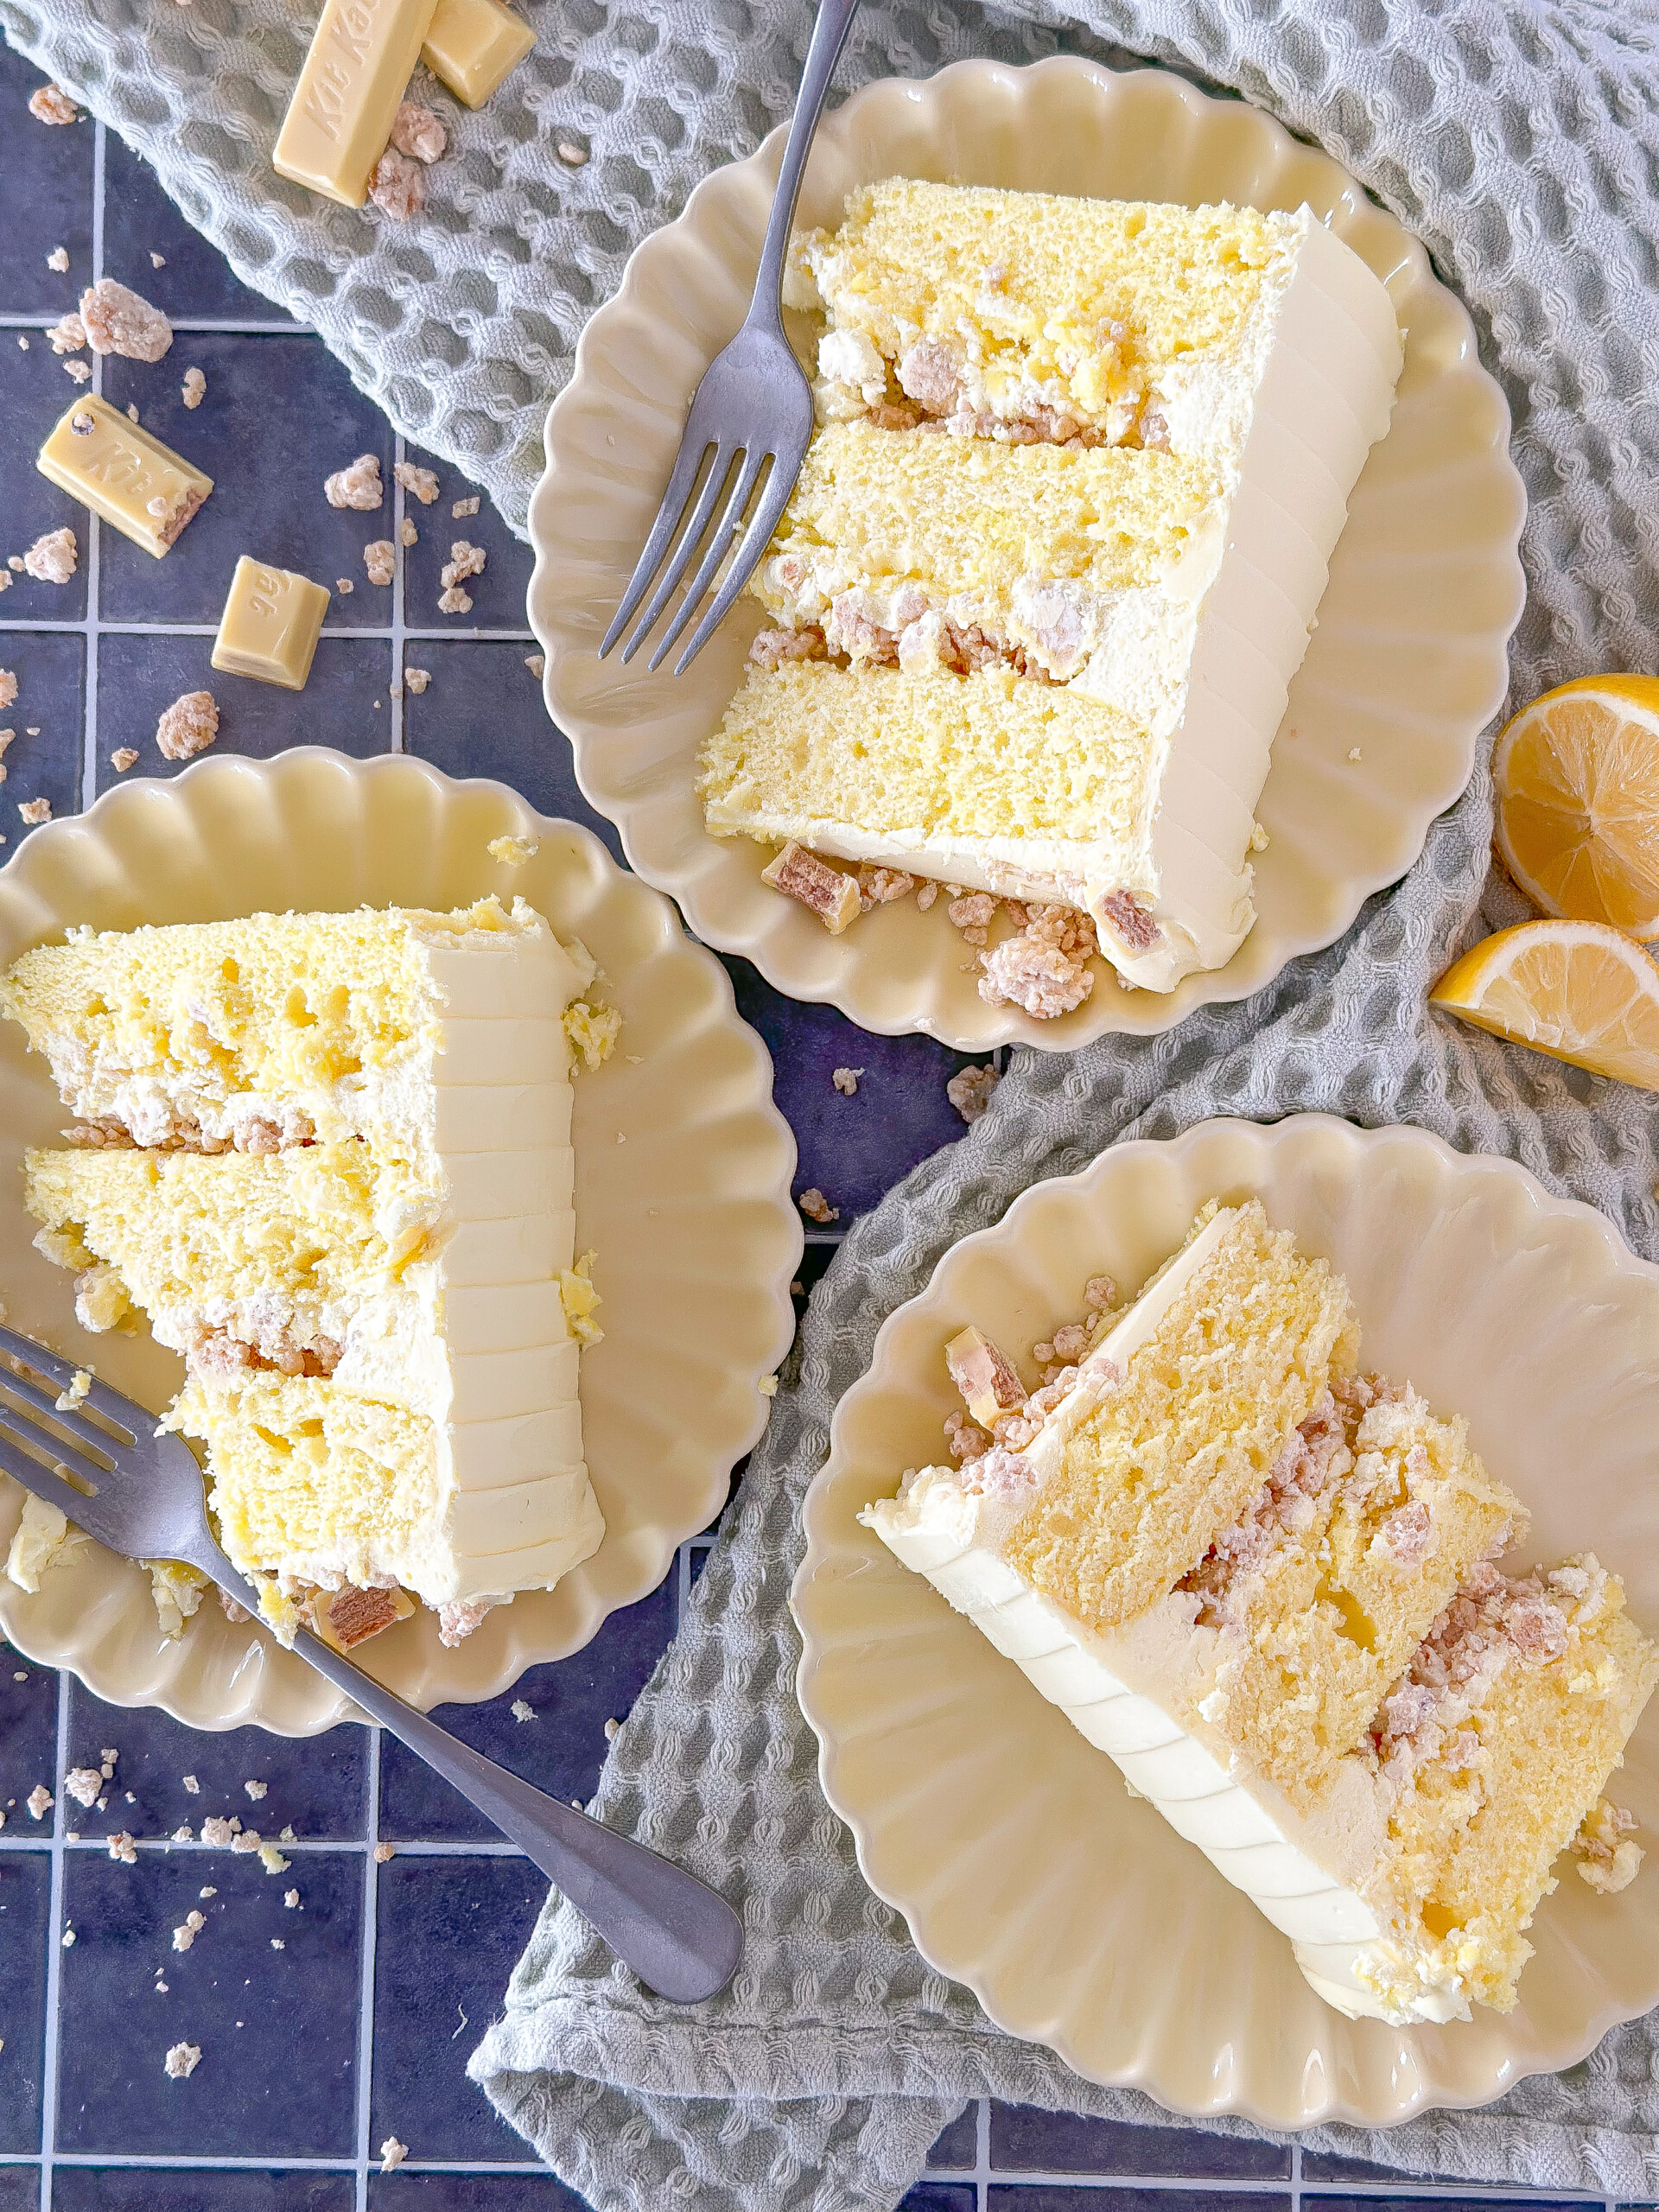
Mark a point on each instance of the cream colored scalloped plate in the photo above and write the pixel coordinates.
(691, 1218)
(1407, 664)
(1012, 1847)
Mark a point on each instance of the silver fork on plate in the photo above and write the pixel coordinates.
(102, 1464)
(754, 406)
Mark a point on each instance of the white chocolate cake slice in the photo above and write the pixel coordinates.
(328, 1158)
(1332, 1691)
(1080, 471)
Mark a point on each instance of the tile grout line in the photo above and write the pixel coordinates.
(982, 2155)
(370, 632)
(399, 578)
(365, 1990)
(94, 536)
(1296, 2177)
(53, 1957)
(207, 325)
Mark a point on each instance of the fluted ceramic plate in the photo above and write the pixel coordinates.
(691, 1216)
(1405, 667)
(1012, 1848)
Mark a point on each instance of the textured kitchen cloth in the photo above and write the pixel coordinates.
(1523, 147)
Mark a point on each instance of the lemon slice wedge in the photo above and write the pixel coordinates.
(1579, 991)
(1578, 801)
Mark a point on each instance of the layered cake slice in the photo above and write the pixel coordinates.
(1054, 554)
(328, 1158)
(1325, 1682)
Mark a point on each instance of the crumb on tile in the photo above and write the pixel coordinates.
(970, 1090)
(291, 1899)
(384, 1853)
(67, 335)
(816, 1207)
(119, 320)
(453, 600)
(58, 259)
(158, 260)
(218, 1833)
(123, 758)
(123, 1847)
(194, 389)
(186, 1933)
(408, 533)
(537, 663)
(51, 104)
(357, 484)
(421, 481)
(181, 2060)
(613, 1728)
(77, 371)
(190, 726)
(464, 508)
(8, 687)
(521, 1709)
(39, 1802)
(380, 561)
(392, 2154)
(846, 1080)
(256, 1790)
(269, 1858)
(417, 679)
(193, 1785)
(52, 558)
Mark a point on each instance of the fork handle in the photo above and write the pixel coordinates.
(834, 20)
(679, 1936)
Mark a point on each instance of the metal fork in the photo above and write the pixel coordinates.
(103, 1466)
(754, 406)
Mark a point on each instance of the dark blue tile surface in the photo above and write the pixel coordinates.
(941, 2196)
(44, 759)
(560, 1751)
(25, 1925)
(498, 595)
(277, 2029)
(20, 2188)
(316, 1785)
(1026, 2139)
(195, 283)
(346, 703)
(957, 2147)
(407, 2192)
(28, 1727)
(112, 2189)
(34, 393)
(449, 1934)
(482, 716)
(47, 177)
(280, 415)
(854, 1149)
(1062, 2196)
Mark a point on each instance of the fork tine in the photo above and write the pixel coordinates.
(720, 548)
(35, 1478)
(685, 552)
(116, 1409)
(44, 1404)
(687, 462)
(745, 562)
(18, 1430)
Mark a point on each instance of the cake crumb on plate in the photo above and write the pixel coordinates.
(514, 852)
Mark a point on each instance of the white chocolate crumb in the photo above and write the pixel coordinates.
(79, 1383)
(190, 726)
(69, 1938)
(39, 1802)
(291, 1899)
(193, 1785)
(277, 1944)
(208, 1890)
(83, 1784)
(392, 2154)
(194, 389)
(186, 1933)
(1259, 838)
(514, 852)
(572, 155)
(77, 371)
(613, 1728)
(344, 586)
(767, 1386)
(1354, 753)
(357, 485)
(270, 1858)
(158, 260)
(181, 2060)
(521, 1709)
(58, 258)
(256, 1790)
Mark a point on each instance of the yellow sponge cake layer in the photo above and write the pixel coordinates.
(960, 773)
(1076, 303)
(1182, 1410)
(964, 521)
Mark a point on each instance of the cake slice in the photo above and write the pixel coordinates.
(1332, 1691)
(328, 1158)
(1102, 450)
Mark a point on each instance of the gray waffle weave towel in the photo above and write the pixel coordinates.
(1522, 143)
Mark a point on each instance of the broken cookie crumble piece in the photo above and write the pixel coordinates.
(357, 485)
(188, 725)
(419, 133)
(801, 874)
(51, 104)
(117, 320)
(970, 1090)
(398, 186)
